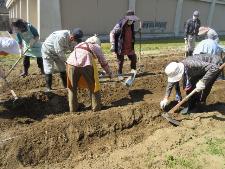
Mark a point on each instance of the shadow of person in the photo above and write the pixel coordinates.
(136, 95)
(35, 107)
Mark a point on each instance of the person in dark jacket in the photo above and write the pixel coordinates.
(191, 32)
(122, 39)
(198, 72)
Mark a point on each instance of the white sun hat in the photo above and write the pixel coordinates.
(94, 39)
(174, 71)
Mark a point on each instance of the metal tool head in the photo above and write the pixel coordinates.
(130, 80)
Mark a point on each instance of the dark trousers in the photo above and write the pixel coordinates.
(120, 60)
(26, 63)
(200, 96)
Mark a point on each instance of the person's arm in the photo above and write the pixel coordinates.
(169, 88)
(186, 29)
(19, 40)
(101, 58)
(60, 45)
(197, 28)
(116, 30)
(35, 35)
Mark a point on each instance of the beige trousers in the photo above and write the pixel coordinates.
(74, 74)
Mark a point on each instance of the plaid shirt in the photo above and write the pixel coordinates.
(196, 68)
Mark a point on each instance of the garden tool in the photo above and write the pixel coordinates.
(130, 80)
(141, 66)
(12, 91)
(21, 56)
(175, 108)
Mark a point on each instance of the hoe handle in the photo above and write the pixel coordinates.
(188, 96)
(182, 102)
(16, 63)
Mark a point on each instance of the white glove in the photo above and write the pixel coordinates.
(163, 103)
(200, 86)
(112, 49)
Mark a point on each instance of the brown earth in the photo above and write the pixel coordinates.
(37, 131)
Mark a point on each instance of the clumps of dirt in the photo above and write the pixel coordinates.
(77, 136)
(36, 105)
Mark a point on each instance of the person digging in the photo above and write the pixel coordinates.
(54, 51)
(82, 72)
(122, 39)
(196, 74)
(28, 38)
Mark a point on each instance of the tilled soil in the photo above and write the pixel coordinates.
(37, 131)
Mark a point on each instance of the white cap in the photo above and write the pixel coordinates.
(94, 39)
(174, 71)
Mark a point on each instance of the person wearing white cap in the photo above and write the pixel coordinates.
(195, 73)
(54, 51)
(82, 72)
(191, 32)
(122, 39)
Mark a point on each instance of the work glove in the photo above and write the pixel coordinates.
(112, 49)
(200, 86)
(163, 103)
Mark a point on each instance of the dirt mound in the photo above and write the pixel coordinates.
(38, 131)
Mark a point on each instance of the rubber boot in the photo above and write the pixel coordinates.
(25, 72)
(26, 65)
(64, 79)
(40, 65)
(190, 53)
(48, 78)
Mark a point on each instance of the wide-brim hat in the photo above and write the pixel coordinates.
(130, 15)
(203, 30)
(174, 71)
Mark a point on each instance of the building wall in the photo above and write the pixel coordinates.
(95, 16)
(218, 22)
(164, 17)
(156, 15)
(189, 6)
(4, 18)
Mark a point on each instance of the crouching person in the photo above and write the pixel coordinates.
(82, 72)
(54, 50)
(197, 74)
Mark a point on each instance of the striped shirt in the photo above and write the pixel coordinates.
(196, 68)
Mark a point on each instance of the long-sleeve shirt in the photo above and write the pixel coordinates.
(58, 43)
(208, 46)
(192, 27)
(195, 68)
(81, 56)
(30, 28)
